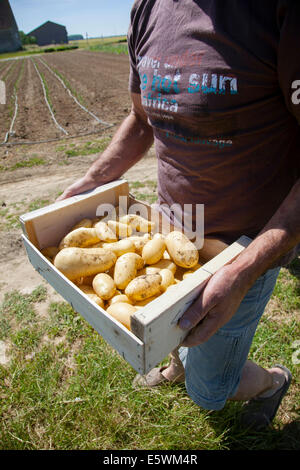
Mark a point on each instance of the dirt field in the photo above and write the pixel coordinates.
(34, 175)
(97, 82)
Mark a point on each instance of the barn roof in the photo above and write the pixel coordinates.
(44, 24)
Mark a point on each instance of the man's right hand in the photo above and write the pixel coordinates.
(80, 186)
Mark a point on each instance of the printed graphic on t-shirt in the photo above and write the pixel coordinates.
(171, 91)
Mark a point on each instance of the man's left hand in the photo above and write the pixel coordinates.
(215, 306)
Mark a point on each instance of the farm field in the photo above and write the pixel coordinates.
(37, 158)
(61, 385)
(65, 94)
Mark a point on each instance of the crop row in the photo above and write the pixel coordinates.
(31, 85)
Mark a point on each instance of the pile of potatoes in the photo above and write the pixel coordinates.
(123, 265)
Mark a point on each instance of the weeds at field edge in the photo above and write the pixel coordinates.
(65, 388)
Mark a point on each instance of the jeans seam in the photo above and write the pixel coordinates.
(234, 351)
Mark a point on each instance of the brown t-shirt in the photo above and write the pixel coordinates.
(217, 80)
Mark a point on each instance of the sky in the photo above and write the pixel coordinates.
(93, 17)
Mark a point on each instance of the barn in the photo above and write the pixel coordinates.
(50, 33)
(9, 34)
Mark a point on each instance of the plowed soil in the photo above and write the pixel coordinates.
(101, 80)
(97, 81)
(10, 74)
(33, 120)
(100, 83)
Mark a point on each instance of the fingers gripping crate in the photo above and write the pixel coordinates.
(154, 329)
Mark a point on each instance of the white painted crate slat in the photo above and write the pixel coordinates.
(154, 333)
(126, 343)
(152, 322)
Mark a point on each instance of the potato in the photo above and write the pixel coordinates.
(89, 291)
(80, 262)
(158, 235)
(142, 303)
(79, 237)
(148, 270)
(111, 271)
(87, 280)
(161, 264)
(167, 279)
(153, 250)
(50, 252)
(197, 266)
(122, 312)
(87, 223)
(95, 221)
(182, 251)
(140, 242)
(120, 229)
(97, 245)
(126, 268)
(143, 287)
(120, 247)
(104, 286)
(138, 223)
(104, 233)
(119, 298)
(166, 255)
(191, 271)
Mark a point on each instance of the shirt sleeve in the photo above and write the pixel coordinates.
(134, 78)
(288, 64)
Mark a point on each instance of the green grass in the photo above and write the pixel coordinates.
(110, 48)
(112, 45)
(10, 213)
(88, 148)
(36, 50)
(86, 43)
(65, 388)
(287, 291)
(144, 190)
(26, 163)
(34, 161)
(12, 55)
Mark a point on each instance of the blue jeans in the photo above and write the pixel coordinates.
(213, 369)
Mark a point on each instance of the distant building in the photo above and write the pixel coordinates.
(50, 33)
(75, 37)
(9, 34)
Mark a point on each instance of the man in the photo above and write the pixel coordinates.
(214, 86)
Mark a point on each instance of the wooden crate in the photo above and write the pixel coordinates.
(154, 330)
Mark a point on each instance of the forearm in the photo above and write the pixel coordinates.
(278, 237)
(131, 141)
(224, 292)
